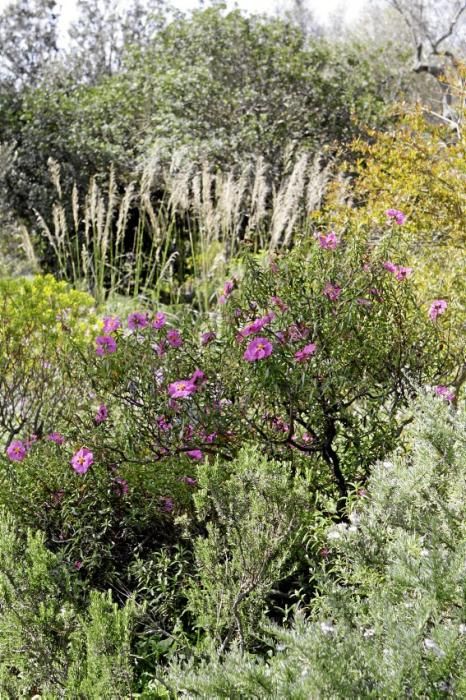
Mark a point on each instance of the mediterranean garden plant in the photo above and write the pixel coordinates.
(390, 620)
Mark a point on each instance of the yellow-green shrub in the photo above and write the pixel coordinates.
(420, 168)
(40, 319)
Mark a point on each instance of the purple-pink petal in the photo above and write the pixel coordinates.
(82, 460)
(16, 451)
(258, 349)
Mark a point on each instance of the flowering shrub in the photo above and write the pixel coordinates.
(314, 377)
(325, 348)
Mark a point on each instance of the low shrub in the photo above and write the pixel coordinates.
(41, 320)
(52, 642)
(390, 619)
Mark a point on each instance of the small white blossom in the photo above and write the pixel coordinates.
(430, 645)
(327, 627)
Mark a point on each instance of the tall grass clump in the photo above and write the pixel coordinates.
(171, 232)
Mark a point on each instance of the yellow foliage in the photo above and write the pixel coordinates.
(43, 308)
(419, 168)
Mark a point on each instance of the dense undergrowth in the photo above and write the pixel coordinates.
(232, 436)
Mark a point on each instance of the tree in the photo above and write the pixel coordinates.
(103, 31)
(28, 40)
(436, 30)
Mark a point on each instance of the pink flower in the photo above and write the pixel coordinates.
(279, 303)
(101, 415)
(78, 564)
(120, 485)
(328, 242)
(137, 320)
(16, 451)
(167, 503)
(198, 455)
(305, 353)
(258, 349)
(444, 392)
(57, 438)
(163, 424)
(279, 424)
(228, 287)
(82, 460)
(390, 266)
(332, 291)
(159, 320)
(403, 273)
(197, 376)
(297, 332)
(189, 480)
(105, 345)
(207, 337)
(397, 215)
(257, 325)
(174, 338)
(111, 324)
(437, 308)
(181, 389)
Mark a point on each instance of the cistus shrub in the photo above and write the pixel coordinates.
(40, 321)
(326, 346)
(389, 621)
(314, 354)
(312, 357)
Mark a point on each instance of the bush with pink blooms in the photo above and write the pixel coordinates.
(312, 356)
(310, 359)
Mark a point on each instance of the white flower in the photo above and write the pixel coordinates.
(327, 627)
(430, 645)
(337, 532)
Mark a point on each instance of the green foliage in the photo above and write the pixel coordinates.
(51, 642)
(37, 613)
(390, 619)
(230, 86)
(254, 510)
(40, 320)
(102, 665)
